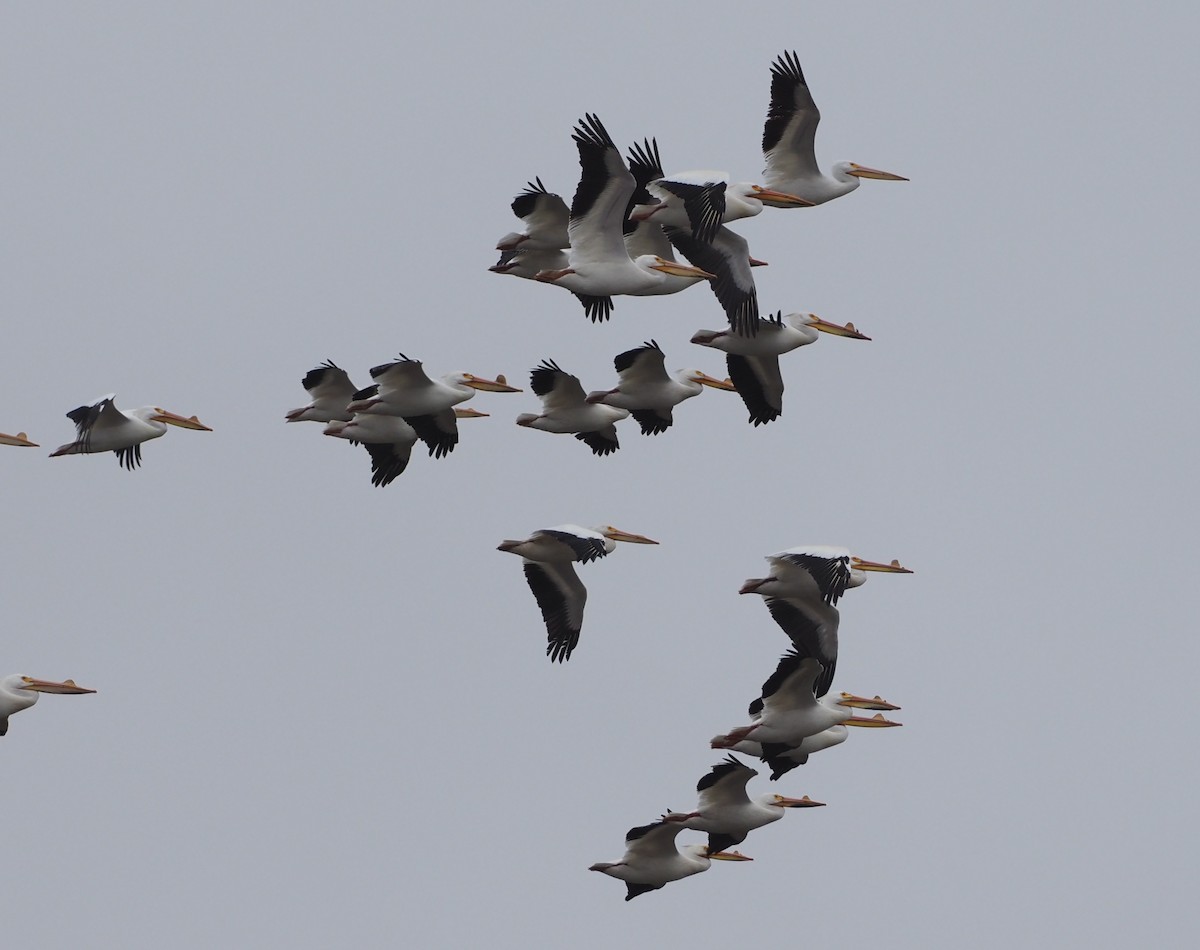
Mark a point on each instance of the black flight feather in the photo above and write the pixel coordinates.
(750, 388)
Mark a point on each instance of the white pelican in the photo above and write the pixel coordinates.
(20, 692)
(651, 859)
(781, 759)
(402, 389)
(102, 427)
(565, 409)
(700, 201)
(545, 217)
(648, 392)
(789, 138)
(19, 439)
(388, 440)
(527, 262)
(728, 256)
(753, 361)
(597, 262)
(331, 391)
(726, 812)
(547, 556)
(802, 592)
(790, 712)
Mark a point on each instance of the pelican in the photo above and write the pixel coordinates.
(565, 409)
(547, 555)
(102, 427)
(545, 217)
(597, 262)
(19, 439)
(802, 592)
(527, 262)
(651, 859)
(331, 391)
(402, 389)
(782, 759)
(728, 255)
(790, 711)
(700, 201)
(388, 440)
(20, 692)
(648, 392)
(753, 361)
(726, 812)
(789, 142)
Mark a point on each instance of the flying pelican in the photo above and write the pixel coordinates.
(565, 409)
(547, 555)
(789, 142)
(402, 389)
(651, 859)
(753, 361)
(545, 217)
(597, 262)
(388, 440)
(20, 692)
(781, 759)
(802, 592)
(790, 711)
(728, 256)
(102, 427)
(648, 392)
(726, 812)
(700, 201)
(331, 391)
(19, 439)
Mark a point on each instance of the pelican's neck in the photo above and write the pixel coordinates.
(12, 698)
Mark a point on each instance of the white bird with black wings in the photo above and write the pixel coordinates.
(102, 427)
(566, 411)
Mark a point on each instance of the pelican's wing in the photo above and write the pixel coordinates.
(645, 237)
(438, 431)
(643, 365)
(561, 596)
(791, 685)
(727, 256)
(600, 441)
(583, 547)
(703, 202)
(830, 574)
(544, 215)
(813, 630)
(759, 384)
(329, 385)
(388, 459)
(598, 209)
(400, 374)
(557, 388)
(652, 843)
(724, 784)
(789, 134)
(100, 416)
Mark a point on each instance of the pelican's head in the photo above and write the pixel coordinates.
(67, 687)
(158, 414)
(769, 196)
(482, 383)
(799, 320)
(616, 534)
(701, 377)
(672, 268)
(859, 569)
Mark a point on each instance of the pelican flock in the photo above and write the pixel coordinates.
(619, 235)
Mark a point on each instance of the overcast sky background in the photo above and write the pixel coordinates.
(324, 714)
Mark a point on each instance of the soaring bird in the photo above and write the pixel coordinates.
(102, 427)
(727, 255)
(789, 142)
(19, 439)
(649, 393)
(802, 592)
(547, 556)
(565, 409)
(700, 201)
(545, 216)
(790, 712)
(651, 859)
(598, 263)
(782, 759)
(726, 812)
(753, 360)
(388, 440)
(331, 391)
(19, 692)
(402, 389)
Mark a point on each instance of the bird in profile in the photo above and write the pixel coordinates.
(652, 860)
(389, 440)
(565, 410)
(548, 555)
(331, 391)
(102, 427)
(18, 692)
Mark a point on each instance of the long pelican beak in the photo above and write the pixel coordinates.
(497, 385)
(50, 686)
(675, 269)
(469, 414)
(780, 199)
(184, 422)
(616, 534)
(858, 564)
(876, 722)
(728, 856)
(861, 702)
(804, 802)
(836, 329)
(19, 439)
(861, 171)
(724, 384)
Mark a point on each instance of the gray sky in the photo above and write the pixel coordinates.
(325, 717)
